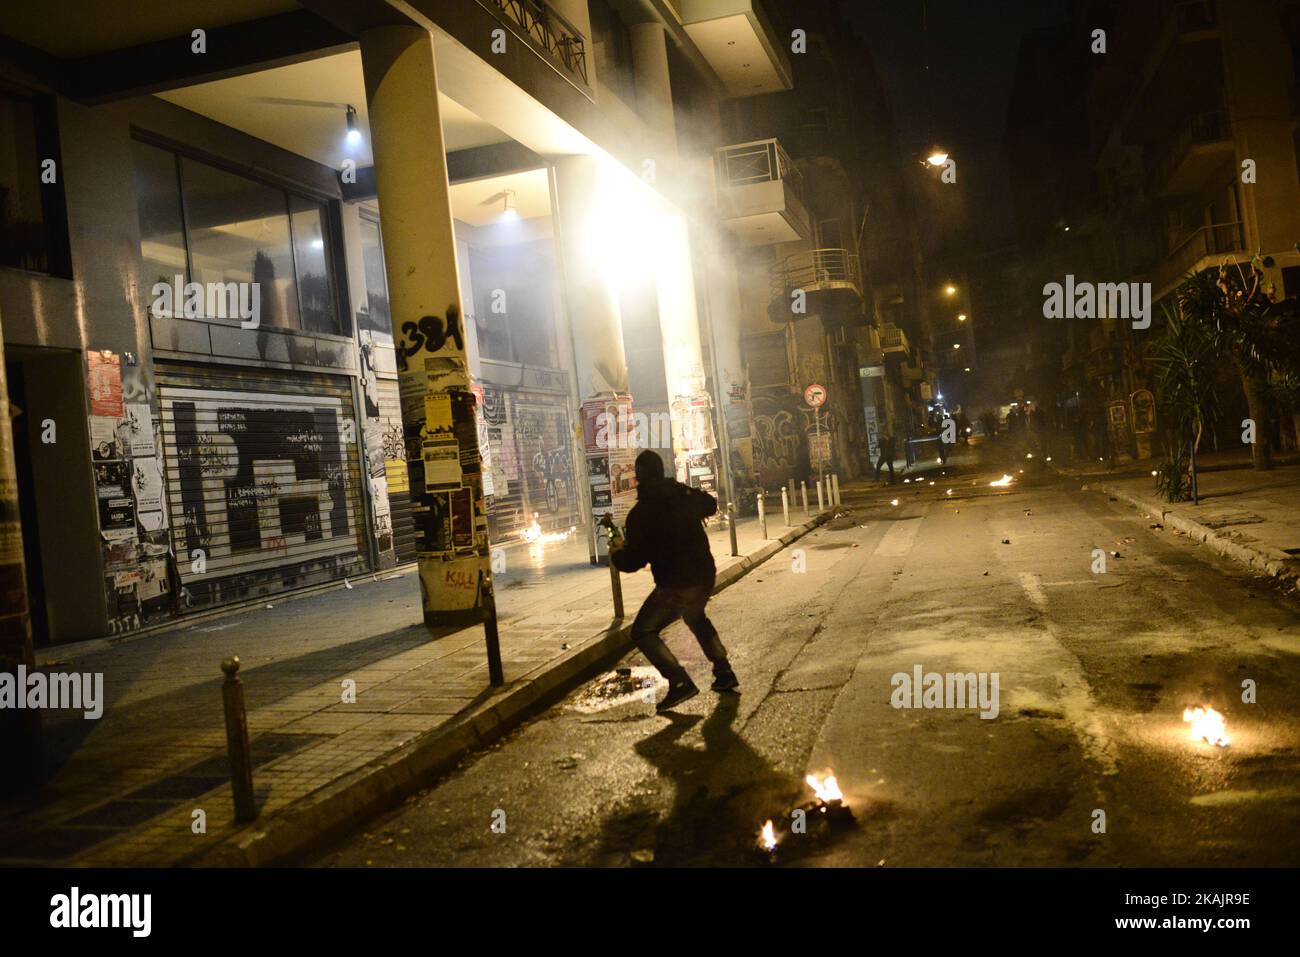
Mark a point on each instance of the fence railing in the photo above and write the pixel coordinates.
(815, 269)
(547, 32)
(1211, 126)
(761, 161)
(1214, 240)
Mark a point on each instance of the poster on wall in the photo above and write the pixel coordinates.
(147, 483)
(139, 429)
(117, 519)
(105, 444)
(441, 466)
(104, 380)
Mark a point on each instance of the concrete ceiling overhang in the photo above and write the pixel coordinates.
(739, 44)
(303, 108)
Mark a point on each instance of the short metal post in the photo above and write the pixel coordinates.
(835, 485)
(731, 526)
(785, 506)
(496, 676)
(821, 505)
(241, 760)
(617, 585)
(803, 490)
(762, 518)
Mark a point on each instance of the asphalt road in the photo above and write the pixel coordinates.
(1094, 671)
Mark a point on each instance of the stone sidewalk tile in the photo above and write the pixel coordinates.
(1249, 516)
(416, 708)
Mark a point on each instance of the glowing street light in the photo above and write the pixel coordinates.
(353, 136)
(937, 157)
(962, 317)
(950, 290)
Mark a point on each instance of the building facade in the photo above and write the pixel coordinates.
(307, 290)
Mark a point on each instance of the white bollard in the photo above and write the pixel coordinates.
(785, 506)
(803, 490)
(835, 486)
(762, 518)
(821, 503)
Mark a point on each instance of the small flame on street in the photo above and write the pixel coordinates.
(827, 789)
(1207, 725)
(767, 837)
(893, 502)
(534, 535)
(1002, 482)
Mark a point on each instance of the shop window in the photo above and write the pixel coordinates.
(376, 319)
(33, 227)
(215, 227)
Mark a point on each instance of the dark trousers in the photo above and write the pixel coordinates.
(886, 458)
(663, 607)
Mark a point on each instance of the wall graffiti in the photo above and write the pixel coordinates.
(257, 480)
(780, 445)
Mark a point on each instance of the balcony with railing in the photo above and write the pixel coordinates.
(760, 193)
(1189, 255)
(894, 339)
(831, 286)
(1202, 146)
(551, 36)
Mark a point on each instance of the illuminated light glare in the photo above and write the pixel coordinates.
(1207, 725)
(1002, 482)
(937, 158)
(767, 837)
(894, 502)
(951, 290)
(949, 492)
(827, 788)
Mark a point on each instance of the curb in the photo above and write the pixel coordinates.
(1271, 562)
(325, 813)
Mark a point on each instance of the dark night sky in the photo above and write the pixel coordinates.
(972, 47)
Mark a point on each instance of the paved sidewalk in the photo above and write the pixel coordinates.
(128, 786)
(1252, 517)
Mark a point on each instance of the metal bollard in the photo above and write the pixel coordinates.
(762, 518)
(821, 504)
(241, 759)
(803, 490)
(731, 526)
(785, 506)
(496, 676)
(835, 485)
(617, 585)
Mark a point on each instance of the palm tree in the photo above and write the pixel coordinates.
(1234, 307)
(1185, 359)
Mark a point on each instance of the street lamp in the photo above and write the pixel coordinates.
(951, 290)
(937, 157)
(962, 317)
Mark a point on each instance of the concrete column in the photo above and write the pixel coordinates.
(583, 206)
(679, 327)
(654, 92)
(20, 728)
(420, 255)
(589, 286)
(1259, 75)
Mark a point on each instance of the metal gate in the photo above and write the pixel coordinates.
(399, 496)
(264, 480)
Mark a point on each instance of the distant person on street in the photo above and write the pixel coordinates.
(665, 531)
(887, 449)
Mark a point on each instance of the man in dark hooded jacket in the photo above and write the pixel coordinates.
(665, 531)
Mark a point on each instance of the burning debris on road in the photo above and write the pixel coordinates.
(1207, 725)
(815, 819)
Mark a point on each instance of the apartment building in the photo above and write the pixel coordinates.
(296, 291)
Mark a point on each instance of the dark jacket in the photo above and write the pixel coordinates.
(664, 530)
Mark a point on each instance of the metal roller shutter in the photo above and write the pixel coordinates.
(264, 480)
(399, 498)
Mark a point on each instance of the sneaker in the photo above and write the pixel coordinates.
(684, 690)
(725, 680)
